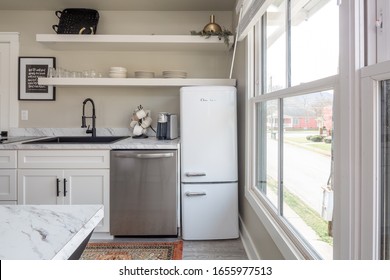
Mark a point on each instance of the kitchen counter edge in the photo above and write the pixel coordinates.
(130, 143)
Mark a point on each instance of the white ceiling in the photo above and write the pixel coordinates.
(120, 5)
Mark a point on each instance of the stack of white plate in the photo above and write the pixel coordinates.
(143, 74)
(117, 72)
(174, 74)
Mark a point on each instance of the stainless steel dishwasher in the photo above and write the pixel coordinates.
(143, 192)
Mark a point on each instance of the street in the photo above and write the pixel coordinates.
(304, 171)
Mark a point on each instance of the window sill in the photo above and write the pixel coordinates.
(286, 246)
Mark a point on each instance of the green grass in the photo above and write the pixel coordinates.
(309, 145)
(308, 215)
(321, 146)
(304, 211)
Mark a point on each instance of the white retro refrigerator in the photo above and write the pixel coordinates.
(208, 129)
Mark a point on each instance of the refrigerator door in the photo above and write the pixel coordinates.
(208, 128)
(209, 211)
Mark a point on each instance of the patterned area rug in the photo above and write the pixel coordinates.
(133, 251)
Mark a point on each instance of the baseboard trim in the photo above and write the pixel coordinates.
(247, 241)
(101, 235)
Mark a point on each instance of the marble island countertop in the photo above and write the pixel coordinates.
(45, 232)
(128, 143)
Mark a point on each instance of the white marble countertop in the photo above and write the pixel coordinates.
(127, 143)
(45, 232)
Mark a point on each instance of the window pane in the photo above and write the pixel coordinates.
(267, 150)
(307, 187)
(385, 172)
(314, 40)
(275, 49)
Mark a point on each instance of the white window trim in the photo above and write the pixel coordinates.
(371, 77)
(381, 24)
(254, 10)
(310, 87)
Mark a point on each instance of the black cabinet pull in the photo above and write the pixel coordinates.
(65, 187)
(58, 187)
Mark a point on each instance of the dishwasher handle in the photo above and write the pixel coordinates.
(144, 155)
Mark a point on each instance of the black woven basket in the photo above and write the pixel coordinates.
(77, 21)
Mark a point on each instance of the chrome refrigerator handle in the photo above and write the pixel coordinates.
(195, 193)
(195, 174)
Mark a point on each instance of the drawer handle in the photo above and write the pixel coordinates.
(65, 191)
(58, 187)
(195, 193)
(195, 174)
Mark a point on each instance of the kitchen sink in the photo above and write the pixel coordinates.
(78, 140)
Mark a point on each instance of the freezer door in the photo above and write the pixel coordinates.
(208, 128)
(209, 211)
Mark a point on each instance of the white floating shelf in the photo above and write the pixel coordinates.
(133, 42)
(135, 82)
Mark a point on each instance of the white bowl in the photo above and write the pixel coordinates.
(117, 75)
(120, 72)
(174, 74)
(143, 74)
(119, 69)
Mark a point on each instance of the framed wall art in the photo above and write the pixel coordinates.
(30, 68)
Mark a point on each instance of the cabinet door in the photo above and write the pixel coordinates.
(8, 159)
(7, 184)
(40, 186)
(88, 186)
(8, 202)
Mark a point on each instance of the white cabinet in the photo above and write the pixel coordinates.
(89, 186)
(39, 186)
(65, 177)
(8, 164)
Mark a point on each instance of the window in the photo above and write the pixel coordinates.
(293, 120)
(267, 152)
(274, 30)
(314, 41)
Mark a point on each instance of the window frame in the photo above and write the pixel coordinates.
(371, 78)
(355, 206)
(287, 241)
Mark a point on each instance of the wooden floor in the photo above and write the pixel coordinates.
(214, 250)
(199, 250)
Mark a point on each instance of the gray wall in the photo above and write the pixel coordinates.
(115, 104)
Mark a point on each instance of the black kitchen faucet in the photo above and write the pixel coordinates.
(93, 117)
